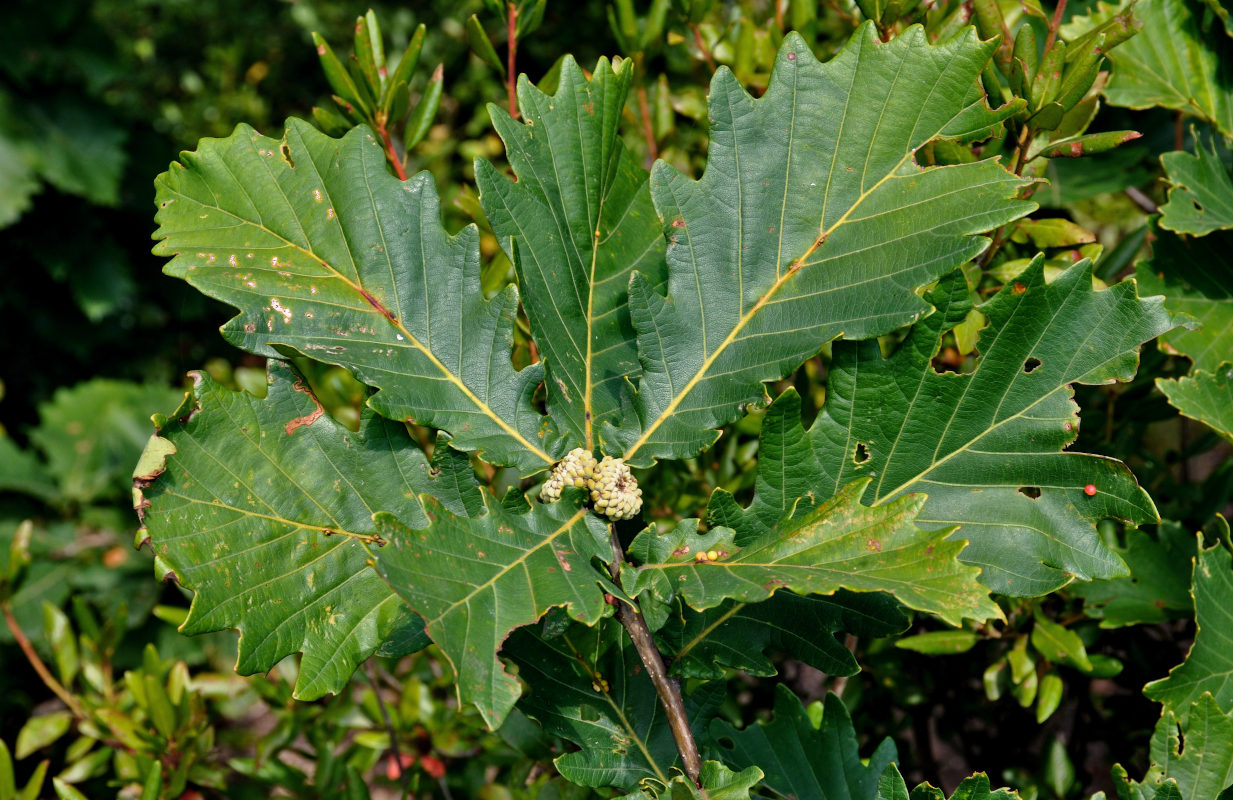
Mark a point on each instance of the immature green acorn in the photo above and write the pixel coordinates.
(574, 470)
(614, 491)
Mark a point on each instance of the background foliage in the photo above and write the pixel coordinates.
(97, 97)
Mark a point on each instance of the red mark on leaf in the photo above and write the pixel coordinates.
(1089, 490)
(433, 766)
(1019, 288)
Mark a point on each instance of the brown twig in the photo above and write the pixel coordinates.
(1145, 203)
(668, 689)
(647, 131)
(45, 674)
(391, 154)
(706, 51)
(403, 773)
(511, 76)
(1020, 160)
(1055, 24)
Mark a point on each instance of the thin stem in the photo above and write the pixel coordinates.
(511, 76)
(403, 775)
(668, 689)
(706, 51)
(1020, 160)
(56, 687)
(391, 154)
(1145, 203)
(1055, 24)
(647, 131)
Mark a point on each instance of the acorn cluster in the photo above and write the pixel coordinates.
(614, 491)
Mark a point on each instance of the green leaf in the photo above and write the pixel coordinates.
(481, 45)
(1196, 277)
(589, 686)
(318, 250)
(1208, 665)
(66, 791)
(22, 471)
(578, 220)
(838, 544)
(811, 221)
(736, 635)
(1059, 645)
(474, 580)
(1205, 396)
(1158, 587)
(987, 447)
(1195, 757)
(1173, 62)
(891, 786)
(1200, 191)
(801, 760)
(93, 432)
(939, 642)
(263, 511)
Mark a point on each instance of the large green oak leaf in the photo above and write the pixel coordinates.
(263, 507)
(323, 251)
(578, 220)
(988, 447)
(812, 220)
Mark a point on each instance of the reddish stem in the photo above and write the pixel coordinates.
(647, 131)
(45, 674)
(1055, 24)
(390, 154)
(706, 51)
(511, 76)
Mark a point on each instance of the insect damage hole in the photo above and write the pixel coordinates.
(1031, 364)
(860, 455)
(1032, 492)
(286, 151)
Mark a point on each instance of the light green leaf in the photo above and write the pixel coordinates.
(1205, 396)
(323, 251)
(1209, 664)
(988, 447)
(801, 760)
(474, 580)
(1195, 275)
(590, 687)
(718, 783)
(1200, 192)
(263, 511)
(1158, 587)
(838, 544)
(40, 731)
(1059, 645)
(811, 221)
(93, 432)
(736, 635)
(1173, 62)
(939, 642)
(1195, 757)
(576, 223)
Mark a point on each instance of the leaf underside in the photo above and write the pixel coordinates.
(811, 221)
(258, 510)
(323, 251)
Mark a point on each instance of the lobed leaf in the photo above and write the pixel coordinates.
(891, 786)
(1205, 396)
(589, 686)
(1158, 586)
(987, 447)
(1174, 62)
(1195, 276)
(576, 223)
(1209, 665)
(263, 507)
(476, 579)
(840, 544)
(323, 251)
(811, 221)
(1200, 191)
(804, 760)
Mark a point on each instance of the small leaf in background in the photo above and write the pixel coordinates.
(1205, 396)
(939, 643)
(1195, 275)
(891, 786)
(1048, 697)
(1158, 587)
(1206, 668)
(825, 761)
(41, 731)
(1050, 233)
(1200, 190)
(1175, 63)
(1059, 645)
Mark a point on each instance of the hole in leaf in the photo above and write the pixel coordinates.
(286, 151)
(1032, 492)
(861, 454)
(1031, 364)
(726, 743)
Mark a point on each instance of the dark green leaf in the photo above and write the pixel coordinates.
(987, 447)
(1205, 396)
(1194, 757)
(1200, 192)
(1158, 586)
(1208, 665)
(811, 220)
(324, 251)
(736, 635)
(803, 761)
(576, 223)
(474, 580)
(263, 510)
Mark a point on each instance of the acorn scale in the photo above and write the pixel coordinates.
(574, 470)
(614, 491)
